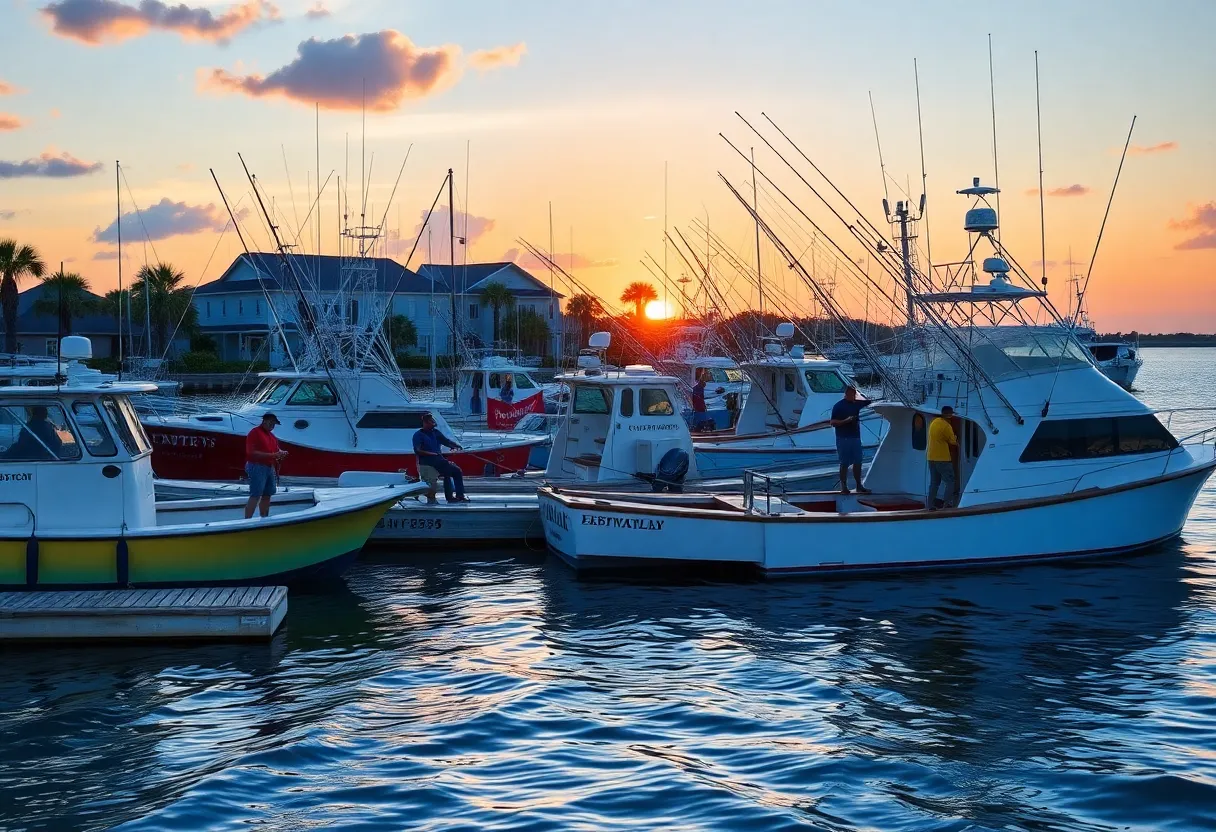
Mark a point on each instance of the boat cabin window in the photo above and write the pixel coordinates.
(1057, 439)
(391, 420)
(522, 382)
(589, 399)
(790, 385)
(1105, 352)
(495, 382)
(627, 402)
(720, 375)
(93, 429)
(825, 381)
(653, 401)
(313, 394)
(272, 391)
(36, 433)
(132, 437)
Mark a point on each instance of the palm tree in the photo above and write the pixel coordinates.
(158, 289)
(496, 296)
(65, 295)
(16, 263)
(528, 330)
(401, 333)
(639, 294)
(584, 308)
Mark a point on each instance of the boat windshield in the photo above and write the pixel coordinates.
(272, 391)
(1017, 350)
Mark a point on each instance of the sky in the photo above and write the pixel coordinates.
(606, 117)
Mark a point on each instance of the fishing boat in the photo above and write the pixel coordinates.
(785, 418)
(1054, 460)
(78, 508)
(331, 421)
(495, 391)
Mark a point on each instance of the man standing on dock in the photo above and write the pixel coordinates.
(262, 453)
(846, 418)
(428, 447)
(941, 463)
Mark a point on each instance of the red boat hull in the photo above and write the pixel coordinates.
(183, 454)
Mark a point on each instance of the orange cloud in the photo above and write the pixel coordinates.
(317, 12)
(49, 164)
(1160, 147)
(1070, 190)
(10, 122)
(382, 68)
(9, 89)
(1203, 220)
(96, 21)
(499, 56)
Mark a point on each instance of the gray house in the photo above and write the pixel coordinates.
(39, 334)
(236, 309)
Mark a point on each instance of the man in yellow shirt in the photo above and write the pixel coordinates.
(941, 462)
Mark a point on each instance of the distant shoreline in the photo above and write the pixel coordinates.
(1166, 340)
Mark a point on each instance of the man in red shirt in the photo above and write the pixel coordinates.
(261, 454)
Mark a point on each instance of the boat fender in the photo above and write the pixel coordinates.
(31, 561)
(122, 563)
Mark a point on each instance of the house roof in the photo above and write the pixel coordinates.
(30, 322)
(472, 277)
(321, 272)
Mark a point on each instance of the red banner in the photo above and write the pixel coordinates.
(503, 416)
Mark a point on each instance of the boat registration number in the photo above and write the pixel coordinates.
(412, 523)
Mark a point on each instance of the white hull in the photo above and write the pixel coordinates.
(1122, 373)
(590, 535)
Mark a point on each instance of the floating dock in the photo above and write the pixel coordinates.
(243, 612)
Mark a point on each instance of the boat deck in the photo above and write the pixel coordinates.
(253, 612)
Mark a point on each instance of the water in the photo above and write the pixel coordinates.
(491, 690)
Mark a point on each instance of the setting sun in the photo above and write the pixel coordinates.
(658, 310)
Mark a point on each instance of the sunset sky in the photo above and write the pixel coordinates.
(584, 105)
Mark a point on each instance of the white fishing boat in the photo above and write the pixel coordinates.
(495, 391)
(77, 503)
(1054, 461)
(785, 418)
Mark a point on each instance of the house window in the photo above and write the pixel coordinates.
(257, 306)
(52, 346)
(240, 307)
(208, 309)
(550, 311)
(223, 309)
(352, 312)
(473, 308)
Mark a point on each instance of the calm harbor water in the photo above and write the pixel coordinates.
(492, 690)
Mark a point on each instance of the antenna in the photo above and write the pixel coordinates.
(1042, 207)
(759, 275)
(886, 197)
(318, 137)
(1102, 229)
(924, 179)
(996, 169)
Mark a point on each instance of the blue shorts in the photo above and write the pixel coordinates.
(848, 448)
(261, 479)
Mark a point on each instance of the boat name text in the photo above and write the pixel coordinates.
(176, 441)
(22, 476)
(638, 523)
(555, 516)
(651, 427)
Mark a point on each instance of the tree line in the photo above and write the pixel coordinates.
(156, 295)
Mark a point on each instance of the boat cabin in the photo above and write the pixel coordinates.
(789, 391)
(497, 390)
(619, 422)
(320, 409)
(73, 456)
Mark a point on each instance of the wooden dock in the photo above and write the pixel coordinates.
(244, 612)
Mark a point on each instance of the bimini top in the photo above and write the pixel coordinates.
(997, 289)
(72, 387)
(632, 374)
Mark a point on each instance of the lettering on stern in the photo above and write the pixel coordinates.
(638, 524)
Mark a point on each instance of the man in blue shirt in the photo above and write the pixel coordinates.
(846, 418)
(428, 447)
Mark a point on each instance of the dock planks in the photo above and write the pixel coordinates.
(195, 612)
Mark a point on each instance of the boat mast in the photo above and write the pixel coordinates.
(118, 226)
(759, 276)
(452, 259)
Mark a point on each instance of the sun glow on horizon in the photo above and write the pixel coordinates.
(659, 310)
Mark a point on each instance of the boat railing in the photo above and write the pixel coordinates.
(768, 483)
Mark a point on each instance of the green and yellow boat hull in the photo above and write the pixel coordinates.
(278, 550)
